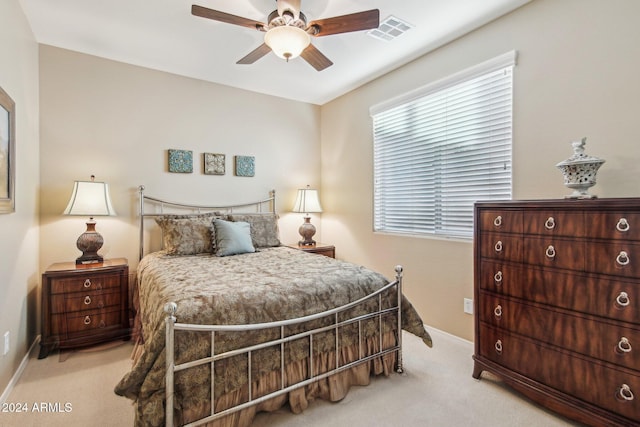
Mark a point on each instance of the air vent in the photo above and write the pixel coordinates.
(390, 29)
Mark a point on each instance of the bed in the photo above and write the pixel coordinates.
(229, 322)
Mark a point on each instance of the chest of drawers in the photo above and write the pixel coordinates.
(557, 304)
(84, 304)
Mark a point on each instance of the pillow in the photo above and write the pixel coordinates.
(264, 228)
(187, 234)
(232, 238)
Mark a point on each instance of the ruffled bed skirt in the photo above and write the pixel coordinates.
(332, 388)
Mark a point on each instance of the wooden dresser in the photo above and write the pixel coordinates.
(84, 304)
(557, 304)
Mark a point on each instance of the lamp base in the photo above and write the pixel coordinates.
(89, 243)
(307, 230)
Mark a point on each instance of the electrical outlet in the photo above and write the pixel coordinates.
(6, 343)
(468, 306)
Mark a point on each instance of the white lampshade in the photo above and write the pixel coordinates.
(90, 198)
(287, 41)
(307, 201)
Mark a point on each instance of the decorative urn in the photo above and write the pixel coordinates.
(580, 171)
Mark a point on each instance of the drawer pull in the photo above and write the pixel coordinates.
(622, 225)
(550, 223)
(625, 392)
(87, 283)
(624, 345)
(87, 300)
(550, 252)
(497, 221)
(498, 347)
(498, 246)
(87, 320)
(498, 277)
(102, 324)
(623, 299)
(498, 311)
(622, 258)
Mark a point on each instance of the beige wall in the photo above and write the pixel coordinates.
(19, 274)
(117, 121)
(577, 75)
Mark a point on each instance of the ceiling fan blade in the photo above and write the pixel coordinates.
(315, 58)
(255, 54)
(228, 18)
(346, 23)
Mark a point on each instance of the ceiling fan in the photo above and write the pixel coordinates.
(288, 34)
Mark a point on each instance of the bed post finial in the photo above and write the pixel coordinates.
(170, 308)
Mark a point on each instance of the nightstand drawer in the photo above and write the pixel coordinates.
(85, 322)
(85, 283)
(85, 301)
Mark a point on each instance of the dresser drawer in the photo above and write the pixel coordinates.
(554, 252)
(84, 301)
(502, 247)
(84, 283)
(85, 322)
(614, 225)
(617, 299)
(601, 384)
(555, 223)
(503, 221)
(616, 258)
(613, 343)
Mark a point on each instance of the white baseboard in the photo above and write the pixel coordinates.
(440, 331)
(16, 376)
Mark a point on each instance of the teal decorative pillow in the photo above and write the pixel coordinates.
(232, 238)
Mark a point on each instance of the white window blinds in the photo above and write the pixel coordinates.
(439, 149)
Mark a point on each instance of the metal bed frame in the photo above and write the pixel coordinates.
(172, 326)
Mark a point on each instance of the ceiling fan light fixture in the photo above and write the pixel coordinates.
(287, 41)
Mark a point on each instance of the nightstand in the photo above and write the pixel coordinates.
(318, 248)
(84, 304)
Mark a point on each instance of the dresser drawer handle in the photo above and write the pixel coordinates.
(498, 277)
(550, 223)
(102, 324)
(622, 258)
(623, 299)
(498, 246)
(87, 283)
(498, 311)
(625, 392)
(498, 347)
(550, 252)
(87, 320)
(497, 221)
(624, 345)
(622, 225)
(87, 300)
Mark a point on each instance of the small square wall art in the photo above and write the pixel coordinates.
(180, 161)
(214, 164)
(245, 166)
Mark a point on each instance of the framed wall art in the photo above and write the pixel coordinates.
(214, 164)
(180, 161)
(245, 166)
(7, 153)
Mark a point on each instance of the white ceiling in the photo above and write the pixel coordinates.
(163, 35)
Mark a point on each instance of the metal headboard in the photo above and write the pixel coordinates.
(267, 205)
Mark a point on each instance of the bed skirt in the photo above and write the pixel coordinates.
(333, 388)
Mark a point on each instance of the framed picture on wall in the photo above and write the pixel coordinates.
(7, 153)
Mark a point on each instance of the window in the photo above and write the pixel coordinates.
(440, 148)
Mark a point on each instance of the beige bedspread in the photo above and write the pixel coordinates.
(269, 285)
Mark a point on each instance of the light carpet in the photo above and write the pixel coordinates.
(76, 388)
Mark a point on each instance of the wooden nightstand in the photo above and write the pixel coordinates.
(318, 248)
(84, 304)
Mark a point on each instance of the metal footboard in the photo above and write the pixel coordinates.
(172, 326)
